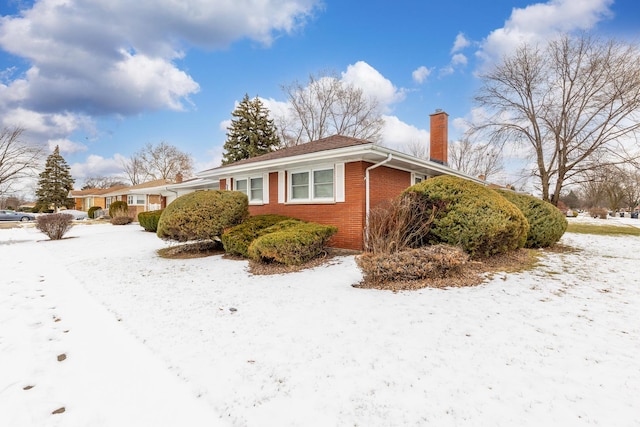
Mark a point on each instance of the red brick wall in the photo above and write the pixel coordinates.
(349, 216)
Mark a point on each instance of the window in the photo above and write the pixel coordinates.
(254, 191)
(300, 186)
(312, 185)
(417, 178)
(323, 184)
(135, 199)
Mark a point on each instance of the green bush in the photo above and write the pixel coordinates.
(427, 262)
(475, 218)
(237, 239)
(291, 242)
(91, 213)
(118, 206)
(149, 220)
(547, 223)
(202, 215)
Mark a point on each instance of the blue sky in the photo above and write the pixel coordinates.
(101, 79)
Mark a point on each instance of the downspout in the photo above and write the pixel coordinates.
(368, 191)
(173, 191)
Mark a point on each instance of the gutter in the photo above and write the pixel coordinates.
(368, 191)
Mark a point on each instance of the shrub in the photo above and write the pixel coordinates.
(202, 215)
(54, 226)
(236, 240)
(118, 205)
(598, 213)
(91, 213)
(401, 223)
(547, 223)
(475, 218)
(291, 242)
(427, 262)
(149, 220)
(120, 216)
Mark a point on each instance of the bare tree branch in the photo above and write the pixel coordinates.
(18, 159)
(573, 100)
(326, 106)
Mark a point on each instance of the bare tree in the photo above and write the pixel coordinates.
(163, 161)
(326, 106)
(102, 182)
(475, 159)
(573, 99)
(416, 148)
(18, 159)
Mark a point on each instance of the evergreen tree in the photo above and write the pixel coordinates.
(251, 133)
(55, 182)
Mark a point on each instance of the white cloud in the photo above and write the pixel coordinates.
(396, 134)
(460, 43)
(458, 59)
(97, 166)
(374, 84)
(420, 74)
(66, 145)
(542, 21)
(118, 57)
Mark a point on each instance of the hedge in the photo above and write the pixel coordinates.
(475, 218)
(202, 215)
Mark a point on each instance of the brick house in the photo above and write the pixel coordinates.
(335, 180)
(140, 198)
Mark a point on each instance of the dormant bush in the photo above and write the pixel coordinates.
(55, 226)
(428, 262)
(401, 223)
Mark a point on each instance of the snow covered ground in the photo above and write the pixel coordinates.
(147, 341)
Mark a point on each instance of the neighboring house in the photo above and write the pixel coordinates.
(335, 180)
(84, 199)
(147, 196)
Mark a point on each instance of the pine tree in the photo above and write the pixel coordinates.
(251, 133)
(55, 182)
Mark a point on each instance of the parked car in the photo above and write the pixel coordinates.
(76, 214)
(16, 216)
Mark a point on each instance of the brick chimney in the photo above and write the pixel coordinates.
(439, 132)
(179, 177)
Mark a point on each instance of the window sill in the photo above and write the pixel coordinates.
(310, 202)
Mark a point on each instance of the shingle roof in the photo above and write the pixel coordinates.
(324, 144)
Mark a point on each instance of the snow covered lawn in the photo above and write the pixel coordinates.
(148, 341)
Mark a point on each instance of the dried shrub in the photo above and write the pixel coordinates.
(547, 223)
(121, 216)
(202, 215)
(236, 240)
(428, 262)
(475, 218)
(291, 242)
(55, 226)
(149, 220)
(598, 213)
(401, 223)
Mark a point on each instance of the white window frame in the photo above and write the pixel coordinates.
(264, 199)
(417, 178)
(311, 185)
(134, 199)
